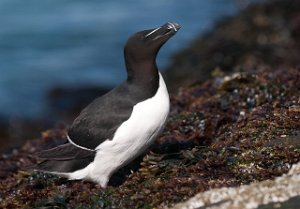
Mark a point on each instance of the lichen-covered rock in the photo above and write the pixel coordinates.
(276, 193)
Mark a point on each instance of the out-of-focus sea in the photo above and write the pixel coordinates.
(80, 43)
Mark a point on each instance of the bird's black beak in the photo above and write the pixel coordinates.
(168, 29)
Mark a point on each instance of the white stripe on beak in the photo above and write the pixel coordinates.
(171, 25)
(152, 32)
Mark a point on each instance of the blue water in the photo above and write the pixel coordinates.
(45, 43)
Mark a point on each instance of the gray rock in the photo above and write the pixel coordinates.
(282, 192)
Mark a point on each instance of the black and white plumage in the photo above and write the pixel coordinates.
(117, 127)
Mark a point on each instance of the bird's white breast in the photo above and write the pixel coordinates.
(131, 138)
(147, 119)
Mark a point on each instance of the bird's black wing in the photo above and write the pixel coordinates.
(65, 152)
(100, 119)
(64, 158)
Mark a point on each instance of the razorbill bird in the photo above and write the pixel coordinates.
(117, 127)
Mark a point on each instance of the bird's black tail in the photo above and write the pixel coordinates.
(63, 159)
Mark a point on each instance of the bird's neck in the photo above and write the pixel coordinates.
(144, 72)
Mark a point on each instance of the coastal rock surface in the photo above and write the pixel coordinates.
(226, 132)
(282, 192)
(265, 33)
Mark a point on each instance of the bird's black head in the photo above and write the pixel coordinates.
(144, 45)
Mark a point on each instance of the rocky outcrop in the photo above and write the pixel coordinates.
(226, 132)
(266, 33)
(282, 192)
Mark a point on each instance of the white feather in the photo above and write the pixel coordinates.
(76, 145)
